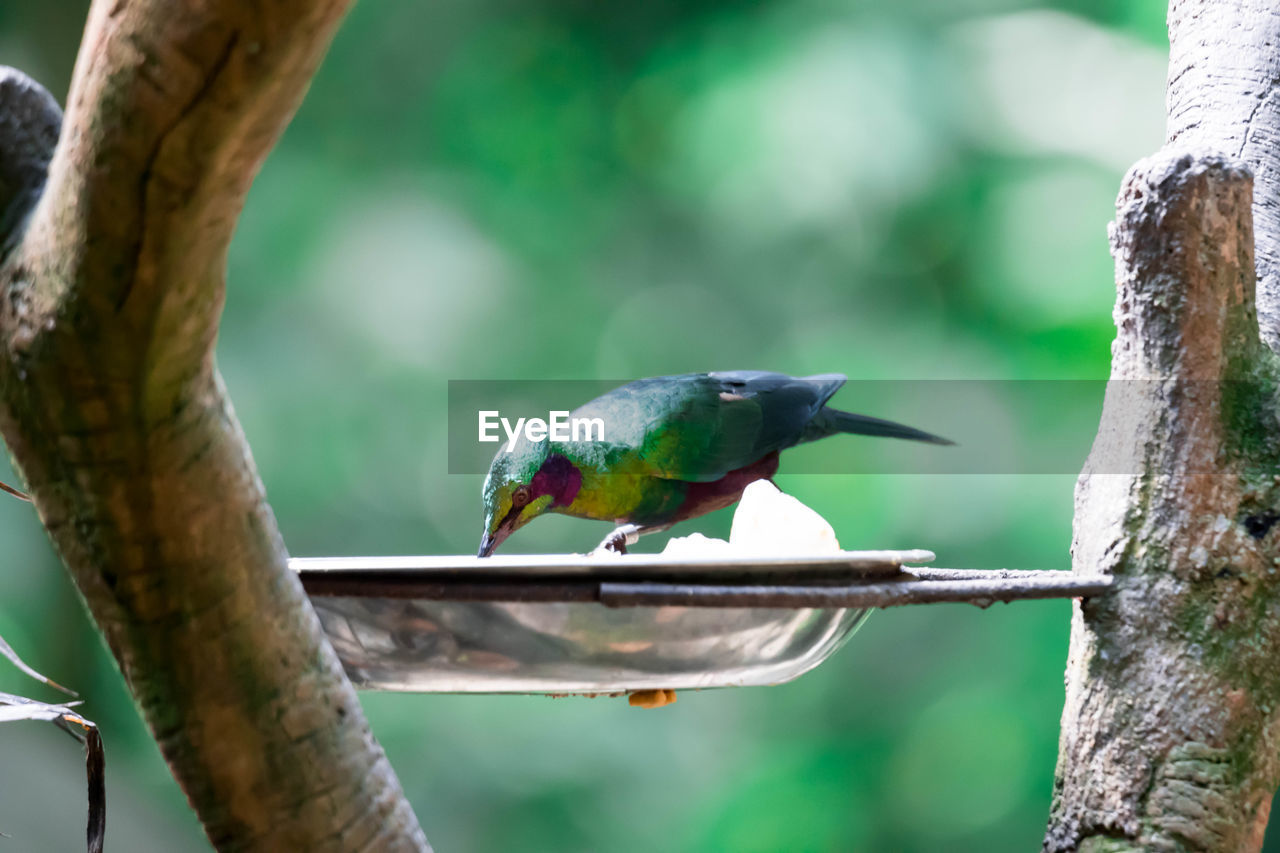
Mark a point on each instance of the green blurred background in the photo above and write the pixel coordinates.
(570, 189)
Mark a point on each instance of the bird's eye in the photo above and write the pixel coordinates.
(520, 497)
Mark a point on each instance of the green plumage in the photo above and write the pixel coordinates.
(674, 447)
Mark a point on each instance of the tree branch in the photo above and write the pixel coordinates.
(115, 413)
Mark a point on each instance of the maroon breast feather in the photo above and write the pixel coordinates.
(702, 498)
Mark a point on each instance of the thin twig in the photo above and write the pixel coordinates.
(17, 493)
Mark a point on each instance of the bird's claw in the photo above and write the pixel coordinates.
(618, 540)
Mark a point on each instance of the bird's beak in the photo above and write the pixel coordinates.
(489, 542)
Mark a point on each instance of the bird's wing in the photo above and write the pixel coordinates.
(699, 427)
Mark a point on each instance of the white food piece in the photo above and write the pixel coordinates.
(770, 522)
(697, 545)
(767, 522)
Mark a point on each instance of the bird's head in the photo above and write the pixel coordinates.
(521, 486)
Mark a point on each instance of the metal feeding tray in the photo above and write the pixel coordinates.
(615, 624)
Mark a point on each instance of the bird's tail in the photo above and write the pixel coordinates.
(830, 421)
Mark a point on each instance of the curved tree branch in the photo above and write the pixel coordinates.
(112, 407)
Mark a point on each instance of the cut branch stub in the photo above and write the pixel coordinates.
(1184, 257)
(1172, 676)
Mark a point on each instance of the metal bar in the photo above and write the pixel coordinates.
(982, 592)
(380, 585)
(916, 586)
(844, 564)
(939, 574)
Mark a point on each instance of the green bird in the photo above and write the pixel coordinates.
(673, 447)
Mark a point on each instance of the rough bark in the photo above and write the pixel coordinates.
(1168, 735)
(112, 278)
(1169, 732)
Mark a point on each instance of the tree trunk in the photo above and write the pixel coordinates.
(112, 275)
(1224, 67)
(1169, 732)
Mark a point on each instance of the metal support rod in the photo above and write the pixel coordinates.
(982, 592)
(843, 564)
(910, 586)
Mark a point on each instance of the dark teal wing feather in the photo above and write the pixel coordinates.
(698, 427)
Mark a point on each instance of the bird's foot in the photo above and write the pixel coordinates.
(617, 541)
